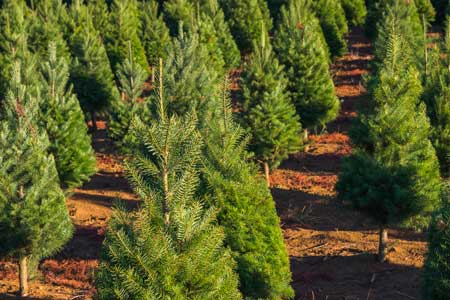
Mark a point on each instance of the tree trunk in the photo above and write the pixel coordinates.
(94, 121)
(305, 139)
(23, 276)
(382, 247)
(267, 173)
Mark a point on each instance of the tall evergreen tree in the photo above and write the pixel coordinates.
(100, 15)
(34, 221)
(437, 98)
(425, 8)
(154, 34)
(170, 248)
(90, 71)
(300, 47)
(123, 27)
(64, 121)
(331, 17)
(245, 17)
(394, 173)
(131, 77)
(247, 210)
(267, 111)
(436, 276)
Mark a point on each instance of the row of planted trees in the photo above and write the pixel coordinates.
(399, 169)
(207, 226)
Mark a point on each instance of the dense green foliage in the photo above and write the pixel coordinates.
(247, 210)
(437, 98)
(332, 19)
(90, 71)
(131, 78)
(170, 248)
(355, 11)
(394, 172)
(300, 47)
(267, 112)
(247, 19)
(123, 27)
(425, 8)
(34, 221)
(63, 119)
(436, 277)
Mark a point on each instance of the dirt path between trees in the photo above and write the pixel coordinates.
(331, 247)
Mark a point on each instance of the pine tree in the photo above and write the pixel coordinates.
(34, 222)
(90, 71)
(170, 248)
(154, 33)
(355, 11)
(245, 18)
(300, 47)
(425, 8)
(394, 173)
(401, 15)
(179, 11)
(100, 15)
(436, 276)
(247, 210)
(331, 17)
(131, 77)
(190, 82)
(267, 111)
(437, 99)
(14, 21)
(123, 27)
(64, 121)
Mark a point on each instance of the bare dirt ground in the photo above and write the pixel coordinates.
(331, 246)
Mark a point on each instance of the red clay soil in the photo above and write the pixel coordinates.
(331, 247)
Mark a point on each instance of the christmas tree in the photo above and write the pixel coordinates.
(331, 16)
(425, 8)
(300, 47)
(90, 71)
(171, 248)
(247, 210)
(64, 121)
(34, 220)
(100, 15)
(267, 111)
(436, 276)
(245, 17)
(437, 99)
(154, 34)
(355, 11)
(123, 27)
(131, 78)
(393, 174)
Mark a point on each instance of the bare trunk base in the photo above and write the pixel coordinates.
(305, 139)
(382, 248)
(23, 276)
(267, 173)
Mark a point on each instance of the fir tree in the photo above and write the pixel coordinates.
(436, 276)
(123, 27)
(34, 222)
(100, 15)
(64, 121)
(425, 8)
(401, 15)
(179, 11)
(154, 34)
(131, 77)
(14, 21)
(247, 210)
(394, 173)
(331, 17)
(437, 98)
(300, 47)
(267, 111)
(355, 11)
(90, 71)
(170, 248)
(245, 18)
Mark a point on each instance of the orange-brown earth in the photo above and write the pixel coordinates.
(331, 246)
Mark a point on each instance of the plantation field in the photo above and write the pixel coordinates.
(331, 247)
